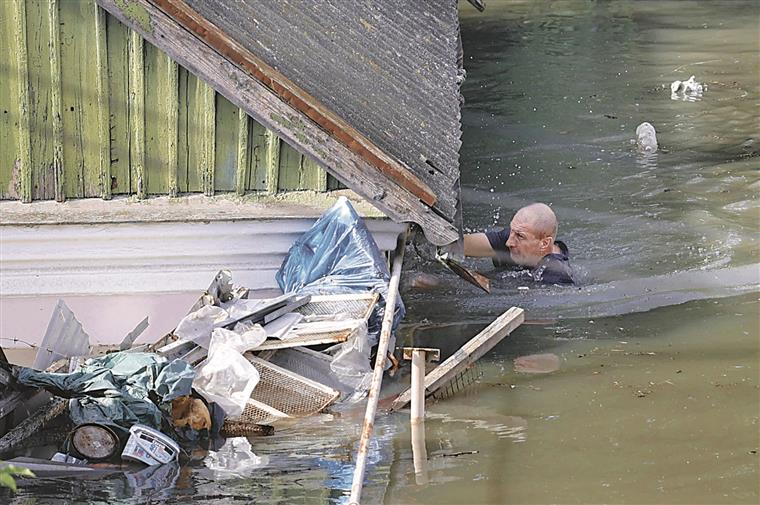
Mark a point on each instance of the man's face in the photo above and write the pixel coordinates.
(525, 245)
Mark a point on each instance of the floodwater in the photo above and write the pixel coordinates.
(657, 398)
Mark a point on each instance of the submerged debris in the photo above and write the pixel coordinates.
(537, 363)
(689, 90)
(646, 138)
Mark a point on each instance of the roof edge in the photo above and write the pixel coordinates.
(348, 163)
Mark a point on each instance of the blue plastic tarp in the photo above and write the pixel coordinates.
(338, 255)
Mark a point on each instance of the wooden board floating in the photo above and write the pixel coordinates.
(467, 354)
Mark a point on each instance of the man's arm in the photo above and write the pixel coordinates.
(477, 245)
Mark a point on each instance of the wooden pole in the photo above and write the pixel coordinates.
(419, 451)
(419, 356)
(377, 373)
(418, 385)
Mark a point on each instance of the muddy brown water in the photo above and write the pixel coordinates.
(657, 396)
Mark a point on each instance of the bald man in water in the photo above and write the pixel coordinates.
(529, 241)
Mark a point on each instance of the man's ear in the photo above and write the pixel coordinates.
(547, 242)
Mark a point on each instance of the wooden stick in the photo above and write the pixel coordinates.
(377, 373)
(32, 424)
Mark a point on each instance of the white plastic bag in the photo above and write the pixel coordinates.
(197, 326)
(235, 459)
(226, 377)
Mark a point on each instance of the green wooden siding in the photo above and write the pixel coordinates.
(90, 109)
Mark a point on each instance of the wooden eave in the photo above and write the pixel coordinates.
(282, 106)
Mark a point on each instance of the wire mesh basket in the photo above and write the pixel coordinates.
(354, 306)
(288, 392)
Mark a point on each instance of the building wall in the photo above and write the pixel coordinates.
(114, 276)
(89, 109)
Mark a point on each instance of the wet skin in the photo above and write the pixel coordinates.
(525, 245)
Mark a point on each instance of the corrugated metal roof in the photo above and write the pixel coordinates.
(368, 90)
(388, 68)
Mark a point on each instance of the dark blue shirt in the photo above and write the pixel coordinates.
(554, 268)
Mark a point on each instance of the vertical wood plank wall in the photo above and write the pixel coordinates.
(90, 109)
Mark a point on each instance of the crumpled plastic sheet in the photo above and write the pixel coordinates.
(226, 377)
(117, 389)
(350, 363)
(338, 255)
(235, 459)
(198, 326)
(155, 482)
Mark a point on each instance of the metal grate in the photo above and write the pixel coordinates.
(288, 392)
(460, 381)
(310, 364)
(257, 413)
(354, 306)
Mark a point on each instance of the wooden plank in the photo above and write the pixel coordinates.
(104, 113)
(257, 164)
(137, 114)
(40, 126)
(24, 160)
(56, 107)
(272, 161)
(9, 402)
(8, 103)
(160, 128)
(197, 133)
(171, 100)
(117, 36)
(209, 138)
(313, 176)
(79, 78)
(241, 162)
(289, 172)
(183, 139)
(298, 172)
(470, 352)
(32, 424)
(226, 130)
(299, 99)
(302, 341)
(291, 125)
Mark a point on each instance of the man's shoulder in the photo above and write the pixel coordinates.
(498, 238)
(554, 268)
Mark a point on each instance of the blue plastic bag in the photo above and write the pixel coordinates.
(339, 255)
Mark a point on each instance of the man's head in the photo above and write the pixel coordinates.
(533, 230)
